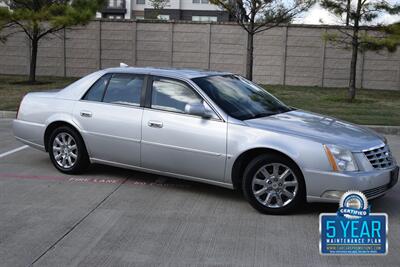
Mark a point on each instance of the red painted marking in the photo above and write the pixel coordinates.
(35, 177)
(94, 180)
(97, 180)
(62, 178)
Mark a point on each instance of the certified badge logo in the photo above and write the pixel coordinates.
(353, 230)
(353, 205)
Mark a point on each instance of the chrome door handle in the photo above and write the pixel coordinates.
(155, 124)
(86, 114)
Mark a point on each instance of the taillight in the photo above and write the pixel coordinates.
(16, 116)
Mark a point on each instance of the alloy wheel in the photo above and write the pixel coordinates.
(65, 150)
(274, 185)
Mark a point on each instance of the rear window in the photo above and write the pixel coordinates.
(119, 88)
(96, 92)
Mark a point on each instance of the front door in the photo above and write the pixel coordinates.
(176, 142)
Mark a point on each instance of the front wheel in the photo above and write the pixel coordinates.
(67, 150)
(273, 184)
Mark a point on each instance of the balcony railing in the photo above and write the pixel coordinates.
(115, 4)
(114, 7)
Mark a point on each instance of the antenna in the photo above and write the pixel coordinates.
(123, 65)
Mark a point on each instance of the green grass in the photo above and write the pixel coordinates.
(374, 107)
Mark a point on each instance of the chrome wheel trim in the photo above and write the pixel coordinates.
(65, 150)
(274, 185)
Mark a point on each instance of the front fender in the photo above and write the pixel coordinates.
(307, 154)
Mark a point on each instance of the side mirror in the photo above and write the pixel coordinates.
(197, 109)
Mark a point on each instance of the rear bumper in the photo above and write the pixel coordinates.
(373, 184)
(29, 133)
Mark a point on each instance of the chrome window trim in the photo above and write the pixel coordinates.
(112, 104)
(148, 78)
(183, 114)
(145, 78)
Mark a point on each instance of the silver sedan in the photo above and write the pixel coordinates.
(210, 127)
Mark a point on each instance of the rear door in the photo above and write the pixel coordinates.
(176, 142)
(110, 116)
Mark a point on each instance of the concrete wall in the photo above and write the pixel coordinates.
(294, 55)
(14, 55)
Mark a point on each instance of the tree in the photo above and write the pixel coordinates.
(256, 16)
(360, 12)
(388, 38)
(348, 8)
(39, 18)
(157, 5)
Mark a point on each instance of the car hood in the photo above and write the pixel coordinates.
(320, 128)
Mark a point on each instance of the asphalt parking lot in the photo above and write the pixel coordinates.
(115, 217)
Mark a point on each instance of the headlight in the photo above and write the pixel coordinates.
(340, 159)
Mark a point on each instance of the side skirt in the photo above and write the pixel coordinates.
(180, 176)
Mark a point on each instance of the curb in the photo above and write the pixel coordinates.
(7, 114)
(392, 130)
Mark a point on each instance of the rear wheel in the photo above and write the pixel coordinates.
(67, 150)
(273, 184)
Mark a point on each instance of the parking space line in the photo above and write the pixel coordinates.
(78, 222)
(13, 151)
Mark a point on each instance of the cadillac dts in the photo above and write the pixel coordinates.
(210, 127)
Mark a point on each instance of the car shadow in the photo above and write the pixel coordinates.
(137, 177)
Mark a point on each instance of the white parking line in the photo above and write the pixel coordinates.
(13, 151)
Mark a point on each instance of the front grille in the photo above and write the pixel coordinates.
(380, 157)
(370, 193)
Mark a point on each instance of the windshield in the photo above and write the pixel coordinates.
(240, 98)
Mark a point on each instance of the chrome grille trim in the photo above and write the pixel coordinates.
(379, 157)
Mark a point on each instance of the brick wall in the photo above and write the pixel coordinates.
(294, 55)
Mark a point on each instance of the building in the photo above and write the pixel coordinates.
(193, 10)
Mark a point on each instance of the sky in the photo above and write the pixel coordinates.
(319, 15)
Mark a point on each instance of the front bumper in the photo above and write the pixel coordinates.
(373, 183)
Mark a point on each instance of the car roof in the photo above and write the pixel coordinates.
(170, 72)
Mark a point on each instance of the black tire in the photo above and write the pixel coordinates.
(82, 159)
(265, 160)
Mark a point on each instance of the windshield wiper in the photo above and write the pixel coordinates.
(267, 114)
(261, 115)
